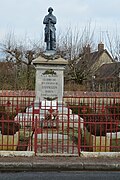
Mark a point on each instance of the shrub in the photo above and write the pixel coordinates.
(9, 128)
(81, 109)
(114, 109)
(99, 125)
(7, 124)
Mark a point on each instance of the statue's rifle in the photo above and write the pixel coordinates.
(49, 34)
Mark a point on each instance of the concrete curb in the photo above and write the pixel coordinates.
(82, 154)
(10, 167)
(27, 161)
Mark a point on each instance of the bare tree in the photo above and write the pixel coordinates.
(71, 47)
(113, 45)
(20, 54)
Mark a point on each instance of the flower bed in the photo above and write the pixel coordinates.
(97, 128)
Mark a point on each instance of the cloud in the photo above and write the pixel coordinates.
(27, 15)
(104, 8)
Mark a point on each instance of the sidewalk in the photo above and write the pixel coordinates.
(59, 163)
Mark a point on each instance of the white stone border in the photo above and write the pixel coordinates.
(56, 154)
(16, 153)
(82, 154)
(99, 154)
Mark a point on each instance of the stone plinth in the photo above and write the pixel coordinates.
(49, 77)
(9, 142)
(97, 143)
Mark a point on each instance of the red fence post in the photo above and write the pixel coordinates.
(79, 138)
(35, 137)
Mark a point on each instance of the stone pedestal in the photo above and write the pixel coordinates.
(49, 78)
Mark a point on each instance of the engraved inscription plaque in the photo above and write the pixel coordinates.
(49, 84)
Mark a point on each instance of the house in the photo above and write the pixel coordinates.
(107, 77)
(108, 71)
(89, 62)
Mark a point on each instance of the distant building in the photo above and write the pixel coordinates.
(90, 62)
(107, 78)
(108, 71)
(98, 70)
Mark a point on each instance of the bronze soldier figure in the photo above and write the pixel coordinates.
(50, 34)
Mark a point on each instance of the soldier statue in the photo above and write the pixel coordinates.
(50, 34)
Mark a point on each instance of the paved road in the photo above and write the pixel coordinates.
(61, 175)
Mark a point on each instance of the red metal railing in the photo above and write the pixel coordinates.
(101, 122)
(79, 124)
(15, 131)
(56, 134)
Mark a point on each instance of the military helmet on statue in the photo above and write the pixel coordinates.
(50, 8)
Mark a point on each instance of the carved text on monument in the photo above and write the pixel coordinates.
(49, 86)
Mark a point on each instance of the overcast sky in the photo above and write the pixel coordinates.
(26, 16)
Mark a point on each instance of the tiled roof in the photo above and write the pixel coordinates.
(108, 70)
(93, 57)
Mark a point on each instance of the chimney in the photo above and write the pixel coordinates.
(86, 50)
(100, 47)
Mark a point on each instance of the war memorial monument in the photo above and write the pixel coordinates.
(49, 66)
(49, 113)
